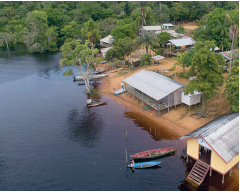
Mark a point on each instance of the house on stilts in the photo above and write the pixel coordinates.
(214, 146)
(155, 90)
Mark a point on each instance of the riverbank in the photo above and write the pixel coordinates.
(179, 121)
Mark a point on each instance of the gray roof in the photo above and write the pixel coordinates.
(153, 84)
(221, 134)
(157, 57)
(182, 42)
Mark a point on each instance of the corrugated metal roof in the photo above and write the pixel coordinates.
(227, 54)
(149, 28)
(182, 42)
(153, 84)
(167, 24)
(158, 57)
(222, 134)
(108, 39)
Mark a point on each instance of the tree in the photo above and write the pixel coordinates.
(79, 55)
(158, 45)
(187, 59)
(178, 12)
(180, 61)
(52, 35)
(233, 34)
(91, 31)
(126, 30)
(106, 26)
(232, 90)
(122, 50)
(146, 59)
(209, 76)
(146, 40)
(162, 13)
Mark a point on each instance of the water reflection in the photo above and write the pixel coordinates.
(85, 128)
(157, 132)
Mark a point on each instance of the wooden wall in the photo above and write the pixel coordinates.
(217, 163)
(193, 148)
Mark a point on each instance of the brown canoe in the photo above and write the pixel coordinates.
(97, 104)
(155, 153)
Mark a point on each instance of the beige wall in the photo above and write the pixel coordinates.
(193, 148)
(218, 163)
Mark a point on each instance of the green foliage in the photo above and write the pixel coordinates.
(72, 30)
(146, 40)
(201, 34)
(127, 30)
(187, 59)
(146, 59)
(232, 92)
(209, 76)
(106, 26)
(178, 12)
(157, 45)
(148, 16)
(180, 60)
(180, 29)
(91, 31)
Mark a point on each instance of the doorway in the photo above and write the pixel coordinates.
(204, 154)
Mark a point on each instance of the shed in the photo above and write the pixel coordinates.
(216, 144)
(157, 58)
(156, 90)
(182, 42)
(107, 41)
(191, 99)
(167, 26)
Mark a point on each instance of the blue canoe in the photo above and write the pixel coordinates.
(140, 165)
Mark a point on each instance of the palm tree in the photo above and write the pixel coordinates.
(91, 31)
(146, 40)
(233, 34)
(180, 62)
(223, 27)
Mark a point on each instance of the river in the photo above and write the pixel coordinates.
(51, 141)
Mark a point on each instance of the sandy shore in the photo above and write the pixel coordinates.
(177, 121)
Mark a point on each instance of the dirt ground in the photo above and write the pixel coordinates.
(178, 120)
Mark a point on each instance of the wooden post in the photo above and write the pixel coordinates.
(175, 107)
(187, 158)
(210, 173)
(138, 100)
(230, 173)
(133, 96)
(223, 179)
(142, 99)
(150, 105)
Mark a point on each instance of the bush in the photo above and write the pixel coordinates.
(146, 59)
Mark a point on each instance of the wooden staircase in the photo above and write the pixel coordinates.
(198, 172)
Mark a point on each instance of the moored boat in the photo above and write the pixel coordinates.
(155, 153)
(91, 77)
(97, 104)
(141, 165)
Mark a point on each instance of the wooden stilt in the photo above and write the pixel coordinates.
(175, 107)
(138, 100)
(223, 179)
(210, 173)
(187, 158)
(142, 99)
(230, 173)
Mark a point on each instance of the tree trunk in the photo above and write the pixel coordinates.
(87, 85)
(147, 49)
(231, 57)
(204, 98)
(184, 69)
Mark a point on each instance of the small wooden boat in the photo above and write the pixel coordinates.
(91, 77)
(97, 104)
(141, 165)
(155, 153)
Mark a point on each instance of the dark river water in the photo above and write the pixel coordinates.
(51, 141)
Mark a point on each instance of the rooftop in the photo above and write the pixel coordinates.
(182, 42)
(153, 84)
(108, 39)
(221, 134)
(151, 28)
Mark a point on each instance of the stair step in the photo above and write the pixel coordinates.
(198, 172)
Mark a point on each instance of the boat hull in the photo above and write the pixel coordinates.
(152, 154)
(142, 165)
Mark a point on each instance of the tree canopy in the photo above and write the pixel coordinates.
(205, 65)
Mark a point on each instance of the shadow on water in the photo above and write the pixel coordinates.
(85, 128)
(157, 132)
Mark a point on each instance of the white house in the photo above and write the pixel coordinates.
(107, 41)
